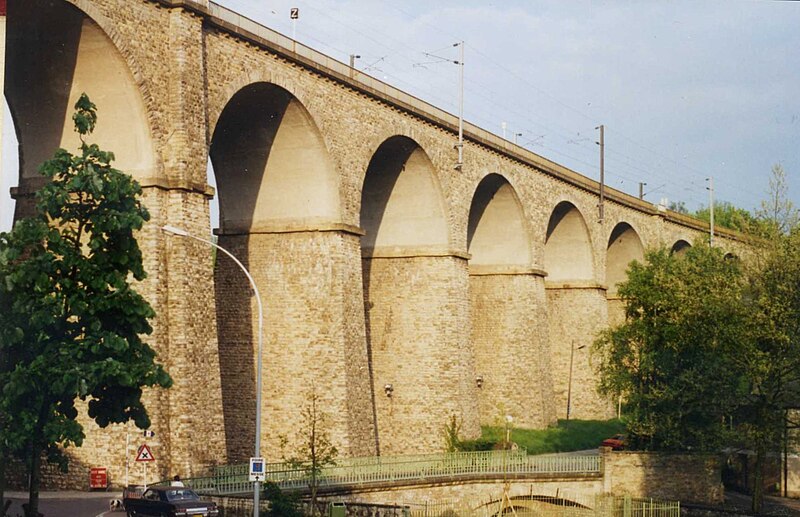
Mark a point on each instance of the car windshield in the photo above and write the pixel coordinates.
(181, 494)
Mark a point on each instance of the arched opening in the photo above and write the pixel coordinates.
(568, 248)
(497, 234)
(54, 53)
(401, 204)
(624, 246)
(680, 247)
(280, 215)
(577, 309)
(411, 284)
(508, 330)
(271, 164)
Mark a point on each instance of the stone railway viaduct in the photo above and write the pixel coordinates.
(380, 264)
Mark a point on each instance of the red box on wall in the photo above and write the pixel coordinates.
(98, 477)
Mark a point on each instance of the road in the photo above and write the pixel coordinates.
(78, 504)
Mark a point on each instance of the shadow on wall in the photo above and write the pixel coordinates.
(738, 473)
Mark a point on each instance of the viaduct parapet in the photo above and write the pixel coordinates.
(401, 290)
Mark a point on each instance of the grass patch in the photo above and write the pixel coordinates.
(567, 435)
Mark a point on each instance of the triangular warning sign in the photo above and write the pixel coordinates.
(145, 454)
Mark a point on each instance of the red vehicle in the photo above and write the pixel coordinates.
(169, 501)
(616, 442)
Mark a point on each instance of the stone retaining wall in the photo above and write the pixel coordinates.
(695, 478)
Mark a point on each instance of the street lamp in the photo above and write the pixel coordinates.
(505, 501)
(183, 233)
(569, 384)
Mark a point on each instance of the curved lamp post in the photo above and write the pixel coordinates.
(183, 233)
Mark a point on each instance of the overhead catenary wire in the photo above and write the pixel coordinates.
(621, 166)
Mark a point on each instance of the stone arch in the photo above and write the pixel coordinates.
(414, 287)
(272, 167)
(507, 309)
(122, 46)
(568, 253)
(280, 214)
(402, 206)
(45, 84)
(258, 76)
(680, 247)
(624, 246)
(497, 233)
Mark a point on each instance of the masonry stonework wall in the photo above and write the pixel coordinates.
(411, 325)
(473, 492)
(415, 306)
(576, 314)
(512, 356)
(313, 340)
(694, 478)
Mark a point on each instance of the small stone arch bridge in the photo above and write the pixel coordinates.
(403, 290)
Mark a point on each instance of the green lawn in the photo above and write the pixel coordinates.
(568, 435)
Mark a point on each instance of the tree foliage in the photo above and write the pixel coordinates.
(709, 340)
(70, 319)
(771, 359)
(778, 210)
(671, 360)
(732, 217)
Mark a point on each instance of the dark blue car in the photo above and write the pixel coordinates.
(170, 501)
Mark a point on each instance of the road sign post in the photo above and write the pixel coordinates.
(144, 455)
(257, 470)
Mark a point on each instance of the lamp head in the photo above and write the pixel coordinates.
(175, 230)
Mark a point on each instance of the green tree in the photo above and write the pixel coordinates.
(70, 320)
(316, 451)
(732, 217)
(777, 211)
(671, 359)
(771, 358)
(678, 206)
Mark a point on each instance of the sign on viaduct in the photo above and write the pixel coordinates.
(403, 291)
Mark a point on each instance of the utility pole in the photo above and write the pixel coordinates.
(353, 58)
(710, 188)
(294, 14)
(460, 145)
(641, 189)
(569, 383)
(602, 144)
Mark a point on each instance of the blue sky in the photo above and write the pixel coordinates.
(685, 89)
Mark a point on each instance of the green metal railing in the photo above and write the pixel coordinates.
(232, 479)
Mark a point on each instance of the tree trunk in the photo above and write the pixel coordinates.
(36, 467)
(3, 460)
(313, 492)
(758, 481)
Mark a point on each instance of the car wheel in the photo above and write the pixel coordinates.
(131, 513)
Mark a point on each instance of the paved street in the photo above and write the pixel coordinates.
(67, 504)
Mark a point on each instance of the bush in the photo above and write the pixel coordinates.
(280, 504)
